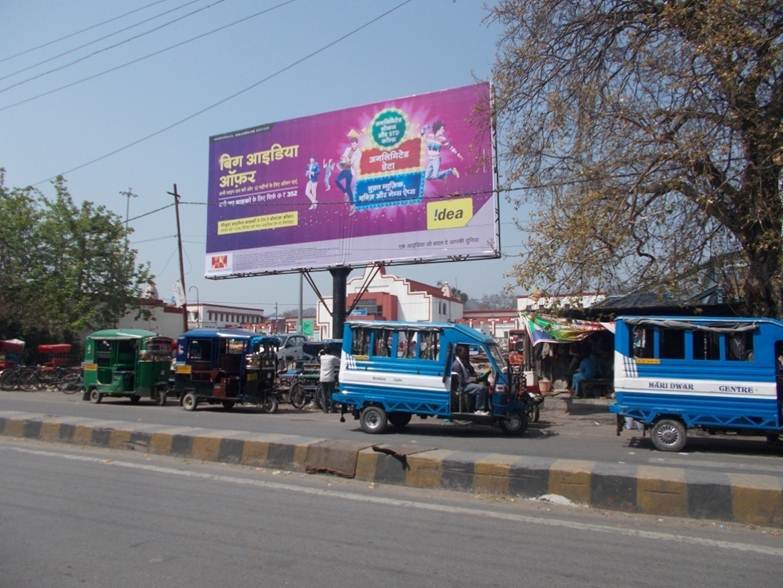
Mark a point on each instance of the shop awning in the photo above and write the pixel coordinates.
(542, 329)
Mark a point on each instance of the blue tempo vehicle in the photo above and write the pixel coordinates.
(717, 374)
(226, 366)
(392, 370)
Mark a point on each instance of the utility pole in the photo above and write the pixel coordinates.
(181, 264)
(129, 193)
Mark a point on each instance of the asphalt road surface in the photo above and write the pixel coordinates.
(590, 435)
(86, 517)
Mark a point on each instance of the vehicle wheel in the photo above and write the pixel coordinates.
(95, 396)
(373, 420)
(135, 398)
(270, 405)
(668, 435)
(514, 423)
(297, 396)
(399, 419)
(533, 414)
(228, 404)
(189, 401)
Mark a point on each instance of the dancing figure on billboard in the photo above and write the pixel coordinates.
(312, 173)
(328, 167)
(435, 140)
(349, 168)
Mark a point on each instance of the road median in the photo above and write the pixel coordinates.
(751, 499)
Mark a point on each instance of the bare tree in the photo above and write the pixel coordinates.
(652, 131)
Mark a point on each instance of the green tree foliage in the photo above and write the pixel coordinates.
(66, 269)
(655, 130)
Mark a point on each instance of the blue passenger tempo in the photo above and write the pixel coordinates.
(717, 374)
(393, 370)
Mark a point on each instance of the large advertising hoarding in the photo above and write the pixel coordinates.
(399, 181)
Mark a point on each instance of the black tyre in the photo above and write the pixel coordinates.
(514, 423)
(95, 396)
(774, 439)
(70, 383)
(189, 401)
(135, 398)
(669, 435)
(373, 420)
(297, 396)
(399, 419)
(228, 404)
(533, 414)
(270, 405)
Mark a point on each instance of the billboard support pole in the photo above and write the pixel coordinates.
(339, 283)
(301, 310)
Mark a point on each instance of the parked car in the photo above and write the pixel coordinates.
(292, 349)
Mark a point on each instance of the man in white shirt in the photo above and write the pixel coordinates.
(330, 368)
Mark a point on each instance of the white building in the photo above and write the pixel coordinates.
(218, 316)
(164, 319)
(391, 297)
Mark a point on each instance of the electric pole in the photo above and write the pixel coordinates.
(181, 264)
(129, 193)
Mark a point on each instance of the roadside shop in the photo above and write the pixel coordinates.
(554, 350)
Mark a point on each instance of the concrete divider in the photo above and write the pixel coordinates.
(753, 499)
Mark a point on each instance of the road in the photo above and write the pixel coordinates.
(588, 436)
(87, 517)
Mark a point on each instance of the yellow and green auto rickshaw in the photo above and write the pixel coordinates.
(131, 363)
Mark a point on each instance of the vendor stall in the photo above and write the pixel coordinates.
(562, 355)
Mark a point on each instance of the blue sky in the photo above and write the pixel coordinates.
(424, 46)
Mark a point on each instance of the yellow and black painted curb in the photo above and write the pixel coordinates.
(753, 499)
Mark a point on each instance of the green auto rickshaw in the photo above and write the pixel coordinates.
(132, 363)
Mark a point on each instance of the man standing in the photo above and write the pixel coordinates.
(468, 382)
(330, 368)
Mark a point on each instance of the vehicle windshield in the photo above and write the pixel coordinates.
(494, 351)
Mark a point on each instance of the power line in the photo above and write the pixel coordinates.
(150, 212)
(109, 47)
(145, 57)
(80, 31)
(235, 94)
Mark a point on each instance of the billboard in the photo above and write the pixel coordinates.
(399, 181)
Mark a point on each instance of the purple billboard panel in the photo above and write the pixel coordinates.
(400, 181)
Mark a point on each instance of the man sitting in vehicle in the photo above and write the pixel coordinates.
(468, 382)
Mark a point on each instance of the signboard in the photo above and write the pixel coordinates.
(399, 181)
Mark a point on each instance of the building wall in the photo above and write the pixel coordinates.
(218, 316)
(165, 319)
(395, 298)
